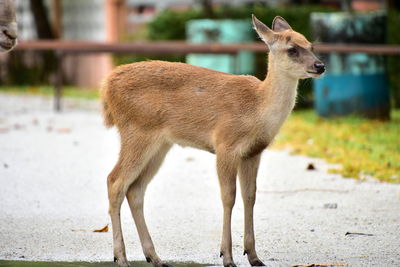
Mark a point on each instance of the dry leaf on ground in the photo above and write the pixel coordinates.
(102, 230)
(63, 130)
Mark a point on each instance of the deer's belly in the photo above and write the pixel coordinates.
(193, 139)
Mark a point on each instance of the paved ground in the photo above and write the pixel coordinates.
(53, 170)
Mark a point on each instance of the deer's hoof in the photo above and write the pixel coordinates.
(230, 265)
(257, 262)
(163, 265)
(122, 262)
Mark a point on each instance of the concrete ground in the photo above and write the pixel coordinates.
(53, 170)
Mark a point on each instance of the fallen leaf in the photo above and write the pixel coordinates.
(189, 159)
(102, 230)
(310, 167)
(4, 130)
(63, 130)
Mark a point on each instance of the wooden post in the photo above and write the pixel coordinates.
(58, 82)
(57, 18)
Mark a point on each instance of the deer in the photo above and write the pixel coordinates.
(8, 26)
(156, 104)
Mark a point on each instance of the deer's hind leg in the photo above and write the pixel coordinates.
(135, 196)
(136, 151)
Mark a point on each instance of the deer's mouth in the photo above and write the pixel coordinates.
(313, 74)
(7, 45)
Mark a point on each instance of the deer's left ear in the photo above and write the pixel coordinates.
(265, 33)
(280, 24)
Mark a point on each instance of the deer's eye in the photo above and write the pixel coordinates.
(292, 51)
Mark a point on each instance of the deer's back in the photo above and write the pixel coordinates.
(179, 98)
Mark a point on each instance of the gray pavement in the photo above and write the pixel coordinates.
(53, 170)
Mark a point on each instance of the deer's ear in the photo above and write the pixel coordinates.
(280, 24)
(265, 33)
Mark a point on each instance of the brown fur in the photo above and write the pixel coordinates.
(156, 104)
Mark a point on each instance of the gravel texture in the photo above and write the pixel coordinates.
(53, 170)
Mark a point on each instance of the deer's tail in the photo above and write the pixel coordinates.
(107, 115)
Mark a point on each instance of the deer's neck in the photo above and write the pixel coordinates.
(279, 91)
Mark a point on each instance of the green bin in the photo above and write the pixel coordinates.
(225, 32)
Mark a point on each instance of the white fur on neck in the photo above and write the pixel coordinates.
(281, 91)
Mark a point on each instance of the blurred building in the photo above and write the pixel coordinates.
(77, 20)
(110, 20)
(100, 21)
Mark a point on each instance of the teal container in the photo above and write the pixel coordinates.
(225, 32)
(344, 94)
(353, 83)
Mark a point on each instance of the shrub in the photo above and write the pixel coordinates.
(393, 37)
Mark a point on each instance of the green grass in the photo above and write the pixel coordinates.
(362, 147)
(67, 91)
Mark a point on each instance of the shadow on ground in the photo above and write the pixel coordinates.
(87, 264)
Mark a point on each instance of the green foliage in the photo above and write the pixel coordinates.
(127, 59)
(20, 73)
(46, 90)
(362, 147)
(170, 24)
(393, 37)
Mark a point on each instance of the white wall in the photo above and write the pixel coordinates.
(84, 20)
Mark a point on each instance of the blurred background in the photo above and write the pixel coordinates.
(349, 116)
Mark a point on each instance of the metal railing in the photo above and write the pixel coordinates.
(163, 48)
(172, 48)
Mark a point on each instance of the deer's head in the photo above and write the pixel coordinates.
(290, 51)
(8, 25)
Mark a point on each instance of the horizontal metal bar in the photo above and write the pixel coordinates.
(380, 49)
(180, 47)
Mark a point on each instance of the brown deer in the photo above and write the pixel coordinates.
(8, 25)
(156, 104)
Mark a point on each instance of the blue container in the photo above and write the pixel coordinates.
(221, 31)
(344, 94)
(354, 83)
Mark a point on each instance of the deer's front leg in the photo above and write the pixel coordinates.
(247, 175)
(227, 171)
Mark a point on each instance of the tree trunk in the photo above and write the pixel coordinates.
(43, 26)
(44, 30)
(208, 8)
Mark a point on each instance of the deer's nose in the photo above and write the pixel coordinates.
(319, 67)
(10, 32)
